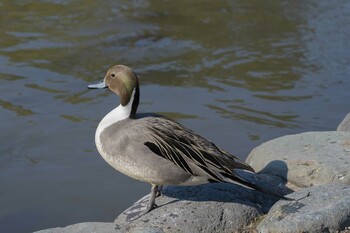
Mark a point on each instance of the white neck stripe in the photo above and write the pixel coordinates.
(117, 114)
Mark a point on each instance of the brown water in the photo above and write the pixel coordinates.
(237, 72)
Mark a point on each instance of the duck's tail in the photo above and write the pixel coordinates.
(237, 179)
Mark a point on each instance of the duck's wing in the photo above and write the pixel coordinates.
(193, 153)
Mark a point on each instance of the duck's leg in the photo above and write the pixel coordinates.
(152, 199)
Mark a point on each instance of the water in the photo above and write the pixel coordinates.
(237, 72)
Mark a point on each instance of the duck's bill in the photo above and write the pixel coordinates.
(99, 85)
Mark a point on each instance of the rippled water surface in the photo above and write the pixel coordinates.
(237, 72)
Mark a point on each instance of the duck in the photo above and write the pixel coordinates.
(155, 149)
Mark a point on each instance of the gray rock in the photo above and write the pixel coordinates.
(345, 124)
(85, 227)
(203, 208)
(305, 159)
(327, 209)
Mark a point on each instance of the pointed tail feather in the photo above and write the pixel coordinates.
(243, 182)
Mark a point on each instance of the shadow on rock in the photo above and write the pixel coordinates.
(226, 192)
(276, 168)
(212, 199)
(276, 172)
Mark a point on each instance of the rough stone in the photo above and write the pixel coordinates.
(345, 124)
(305, 159)
(326, 209)
(85, 227)
(203, 208)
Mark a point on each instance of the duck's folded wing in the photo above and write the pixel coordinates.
(191, 152)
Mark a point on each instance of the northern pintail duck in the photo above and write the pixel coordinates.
(156, 149)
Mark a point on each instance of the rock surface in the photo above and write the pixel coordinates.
(327, 209)
(203, 208)
(85, 227)
(345, 124)
(305, 159)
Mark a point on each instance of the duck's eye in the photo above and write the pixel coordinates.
(112, 75)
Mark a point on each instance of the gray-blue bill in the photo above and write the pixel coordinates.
(99, 85)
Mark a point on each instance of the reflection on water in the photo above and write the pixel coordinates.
(19, 110)
(284, 98)
(240, 112)
(237, 72)
(177, 115)
(74, 118)
(45, 89)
